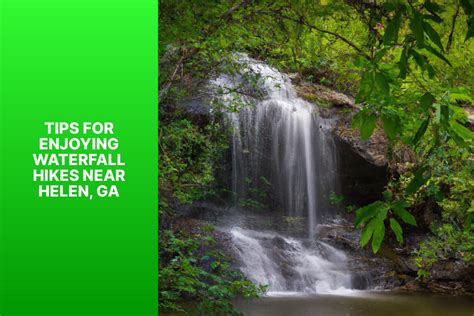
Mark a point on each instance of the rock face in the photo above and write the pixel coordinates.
(336, 105)
(323, 95)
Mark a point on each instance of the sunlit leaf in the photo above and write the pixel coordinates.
(367, 212)
(462, 131)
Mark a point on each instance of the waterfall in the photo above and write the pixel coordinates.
(279, 143)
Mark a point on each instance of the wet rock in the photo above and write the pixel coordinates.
(323, 95)
(452, 270)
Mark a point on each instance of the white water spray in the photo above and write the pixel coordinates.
(279, 142)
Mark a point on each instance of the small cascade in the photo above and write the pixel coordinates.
(280, 143)
(290, 265)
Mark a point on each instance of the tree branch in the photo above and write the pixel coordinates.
(313, 27)
(451, 34)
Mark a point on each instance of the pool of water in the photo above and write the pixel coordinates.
(358, 304)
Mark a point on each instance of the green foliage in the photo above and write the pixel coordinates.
(188, 155)
(191, 270)
(374, 216)
(449, 242)
(409, 64)
(258, 193)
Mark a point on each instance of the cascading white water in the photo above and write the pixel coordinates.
(286, 264)
(278, 141)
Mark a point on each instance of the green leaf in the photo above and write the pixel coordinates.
(416, 25)
(367, 232)
(365, 213)
(403, 64)
(358, 119)
(422, 175)
(468, 7)
(399, 209)
(397, 229)
(426, 100)
(420, 59)
(378, 56)
(382, 83)
(434, 17)
(432, 7)
(462, 131)
(368, 126)
(365, 88)
(421, 131)
(460, 96)
(470, 28)
(433, 35)
(378, 235)
(391, 32)
(391, 125)
(437, 54)
(444, 115)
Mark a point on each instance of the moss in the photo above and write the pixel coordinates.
(313, 98)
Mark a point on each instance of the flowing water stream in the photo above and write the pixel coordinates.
(283, 158)
(280, 142)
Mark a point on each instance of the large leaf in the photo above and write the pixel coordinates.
(367, 232)
(420, 59)
(382, 83)
(391, 125)
(421, 131)
(470, 28)
(433, 35)
(403, 64)
(399, 208)
(432, 7)
(368, 126)
(444, 115)
(358, 119)
(422, 175)
(367, 212)
(416, 25)
(397, 229)
(468, 7)
(462, 131)
(391, 32)
(378, 235)
(426, 100)
(437, 54)
(366, 85)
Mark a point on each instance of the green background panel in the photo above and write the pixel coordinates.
(78, 61)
